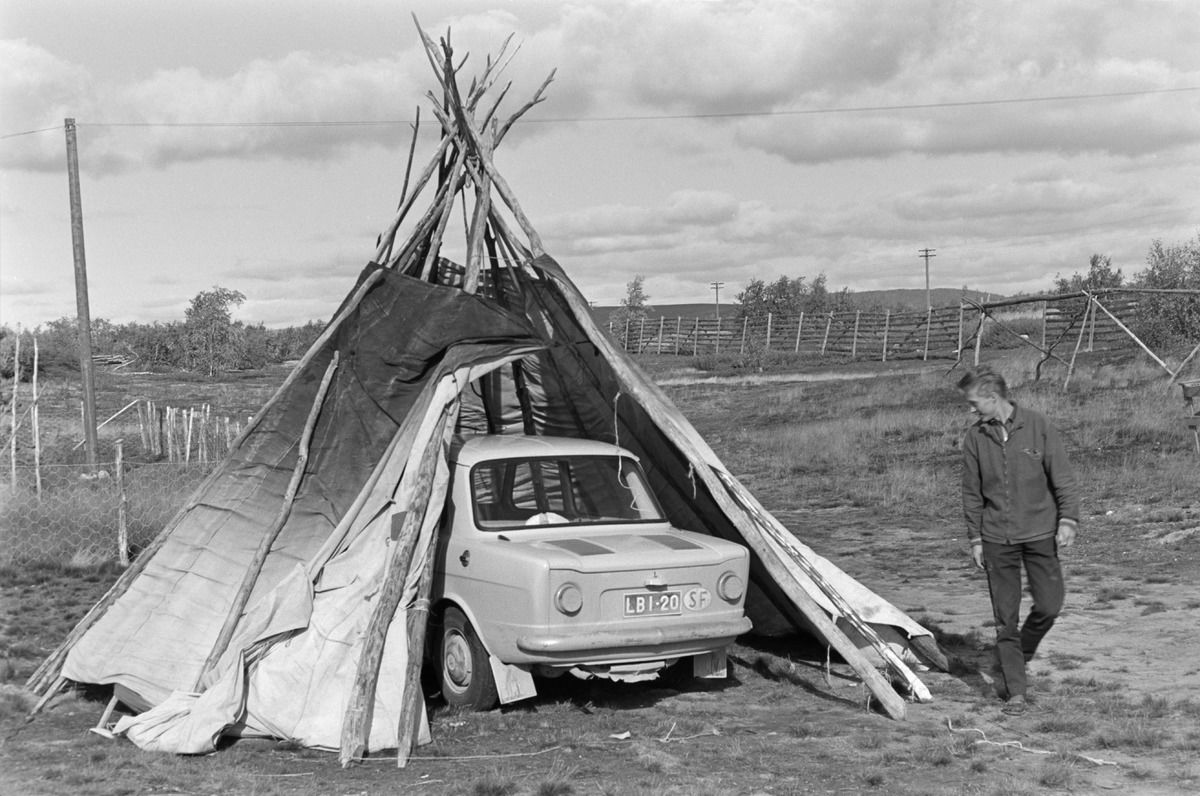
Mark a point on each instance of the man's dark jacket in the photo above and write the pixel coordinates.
(1016, 490)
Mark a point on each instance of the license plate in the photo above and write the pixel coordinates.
(652, 603)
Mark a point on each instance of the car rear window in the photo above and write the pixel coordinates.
(569, 490)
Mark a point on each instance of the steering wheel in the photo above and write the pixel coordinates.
(546, 518)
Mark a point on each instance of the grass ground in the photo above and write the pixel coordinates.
(865, 470)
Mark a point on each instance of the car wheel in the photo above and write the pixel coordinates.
(466, 674)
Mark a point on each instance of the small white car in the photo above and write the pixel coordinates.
(555, 557)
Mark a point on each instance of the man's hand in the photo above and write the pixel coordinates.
(977, 554)
(1066, 534)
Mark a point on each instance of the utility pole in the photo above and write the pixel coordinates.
(927, 253)
(81, 300)
(716, 286)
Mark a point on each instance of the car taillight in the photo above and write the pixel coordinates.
(568, 599)
(730, 587)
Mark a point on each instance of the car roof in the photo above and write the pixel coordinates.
(472, 449)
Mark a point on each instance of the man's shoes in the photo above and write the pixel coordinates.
(1015, 706)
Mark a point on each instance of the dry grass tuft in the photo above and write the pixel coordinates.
(15, 702)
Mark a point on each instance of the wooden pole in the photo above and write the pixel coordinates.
(417, 625)
(887, 320)
(825, 341)
(678, 332)
(854, 340)
(254, 568)
(1092, 328)
(1045, 307)
(696, 337)
(12, 439)
(356, 723)
(641, 335)
(745, 322)
(770, 318)
(1126, 330)
(979, 335)
(143, 426)
(111, 418)
(958, 349)
(799, 326)
(189, 421)
(475, 236)
(717, 349)
(1078, 343)
(1182, 365)
(83, 312)
(35, 422)
(122, 506)
(928, 324)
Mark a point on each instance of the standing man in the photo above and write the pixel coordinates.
(1021, 503)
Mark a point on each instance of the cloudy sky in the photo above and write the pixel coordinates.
(260, 146)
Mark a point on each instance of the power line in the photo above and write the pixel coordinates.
(656, 117)
(32, 132)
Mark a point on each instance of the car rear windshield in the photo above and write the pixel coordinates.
(515, 493)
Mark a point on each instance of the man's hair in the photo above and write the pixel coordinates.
(984, 379)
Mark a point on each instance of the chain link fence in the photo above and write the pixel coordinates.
(78, 515)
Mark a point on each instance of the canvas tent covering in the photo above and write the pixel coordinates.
(289, 596)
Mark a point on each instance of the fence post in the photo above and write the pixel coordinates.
(854, 340)
(122, 507)
(696, 337)
(745, 321)
(662, 322)
(887, 320)
(1092, 328)
(678, 332)
(717, 349)
(1045, 306)
(828, 324)
(189, 421)
(625, 342)
(770, 318)
(641, 335)
(799, 326)
(142, 427)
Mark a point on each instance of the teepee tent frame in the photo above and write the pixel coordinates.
(550, 331)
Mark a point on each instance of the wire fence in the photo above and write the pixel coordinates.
(79, 515)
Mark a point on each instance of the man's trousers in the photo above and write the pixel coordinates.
(1016, 644)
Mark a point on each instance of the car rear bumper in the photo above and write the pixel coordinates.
(718, 632)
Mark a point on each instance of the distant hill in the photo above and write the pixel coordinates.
(895, 300)
(914, 298)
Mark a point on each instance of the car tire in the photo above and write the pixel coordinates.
(466, 673)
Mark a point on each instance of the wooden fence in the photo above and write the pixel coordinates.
(940, 333)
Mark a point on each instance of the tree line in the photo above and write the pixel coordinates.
(207, 341)
(1161, 320)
